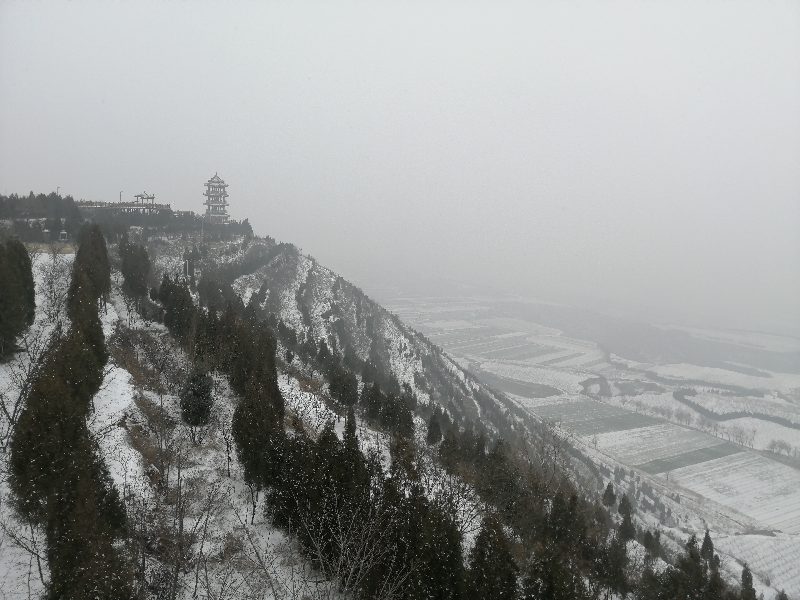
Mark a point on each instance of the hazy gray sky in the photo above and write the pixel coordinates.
(646, 154)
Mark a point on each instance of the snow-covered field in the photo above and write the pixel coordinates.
(665, 440)
(783, 382)
(772, 558)
(567, 381)
(750, 483)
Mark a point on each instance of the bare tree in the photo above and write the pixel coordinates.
(361, 542)
(55, 271)
(457, 495)
(28, 539)
(546, 451)
(22, 371)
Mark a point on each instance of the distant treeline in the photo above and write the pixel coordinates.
(683, 396)
(30, 215)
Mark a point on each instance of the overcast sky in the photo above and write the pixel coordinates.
(643, 154)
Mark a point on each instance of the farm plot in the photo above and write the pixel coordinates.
(750, 483)
(463, 336)
(774, 557)
(519, 388)
(559, 359)
(776, 381)
(487, 344)
(656, 442)
(768, 405)
(561, 379)
(587, 417)
(524, 352)
(691, 457)
(764, 433)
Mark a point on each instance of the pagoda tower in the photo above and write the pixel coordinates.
(216, 200)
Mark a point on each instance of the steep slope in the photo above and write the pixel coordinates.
(319, 305)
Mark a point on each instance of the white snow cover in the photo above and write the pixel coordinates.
(752, 484)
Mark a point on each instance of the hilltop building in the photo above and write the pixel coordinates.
(216, 200)
(143, 203)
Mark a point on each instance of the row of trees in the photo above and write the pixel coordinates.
(58, 478)
(570, 548)
(17, 294)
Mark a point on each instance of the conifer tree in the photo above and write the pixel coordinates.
(82, 311)
(492, 570)
(196, 398)
(432, 541)
(707, 549)
(626, 528)
(609, 497)
(135, 267)
(613, 564)
(92, 257)
(715, 588)
(258, 434)
(748, 591)
(434, 435)
(550, 576)
(372, 402)
(19, 262)
(12, 307)
(448, 450)
(691, 569)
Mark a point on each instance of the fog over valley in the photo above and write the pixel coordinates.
(629, 157)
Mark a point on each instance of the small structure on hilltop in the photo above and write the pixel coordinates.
(216, 200)
(144, 204)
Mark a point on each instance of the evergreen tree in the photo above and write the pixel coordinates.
(432, 543)
(448, 450)
(179, 309)
(372, 402)
(324, 354)
(92, 257)
(434, 430)
(609, 497)
(135, 267)
(707, 549)
(691, 571)
(12, 305)
(19, 262)
(343, 385)
(550, 575)
(748, 591)
(716, 588)
(626, 528)
(258, 434)
(196, 398)
(492, 570)
(82, 311)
